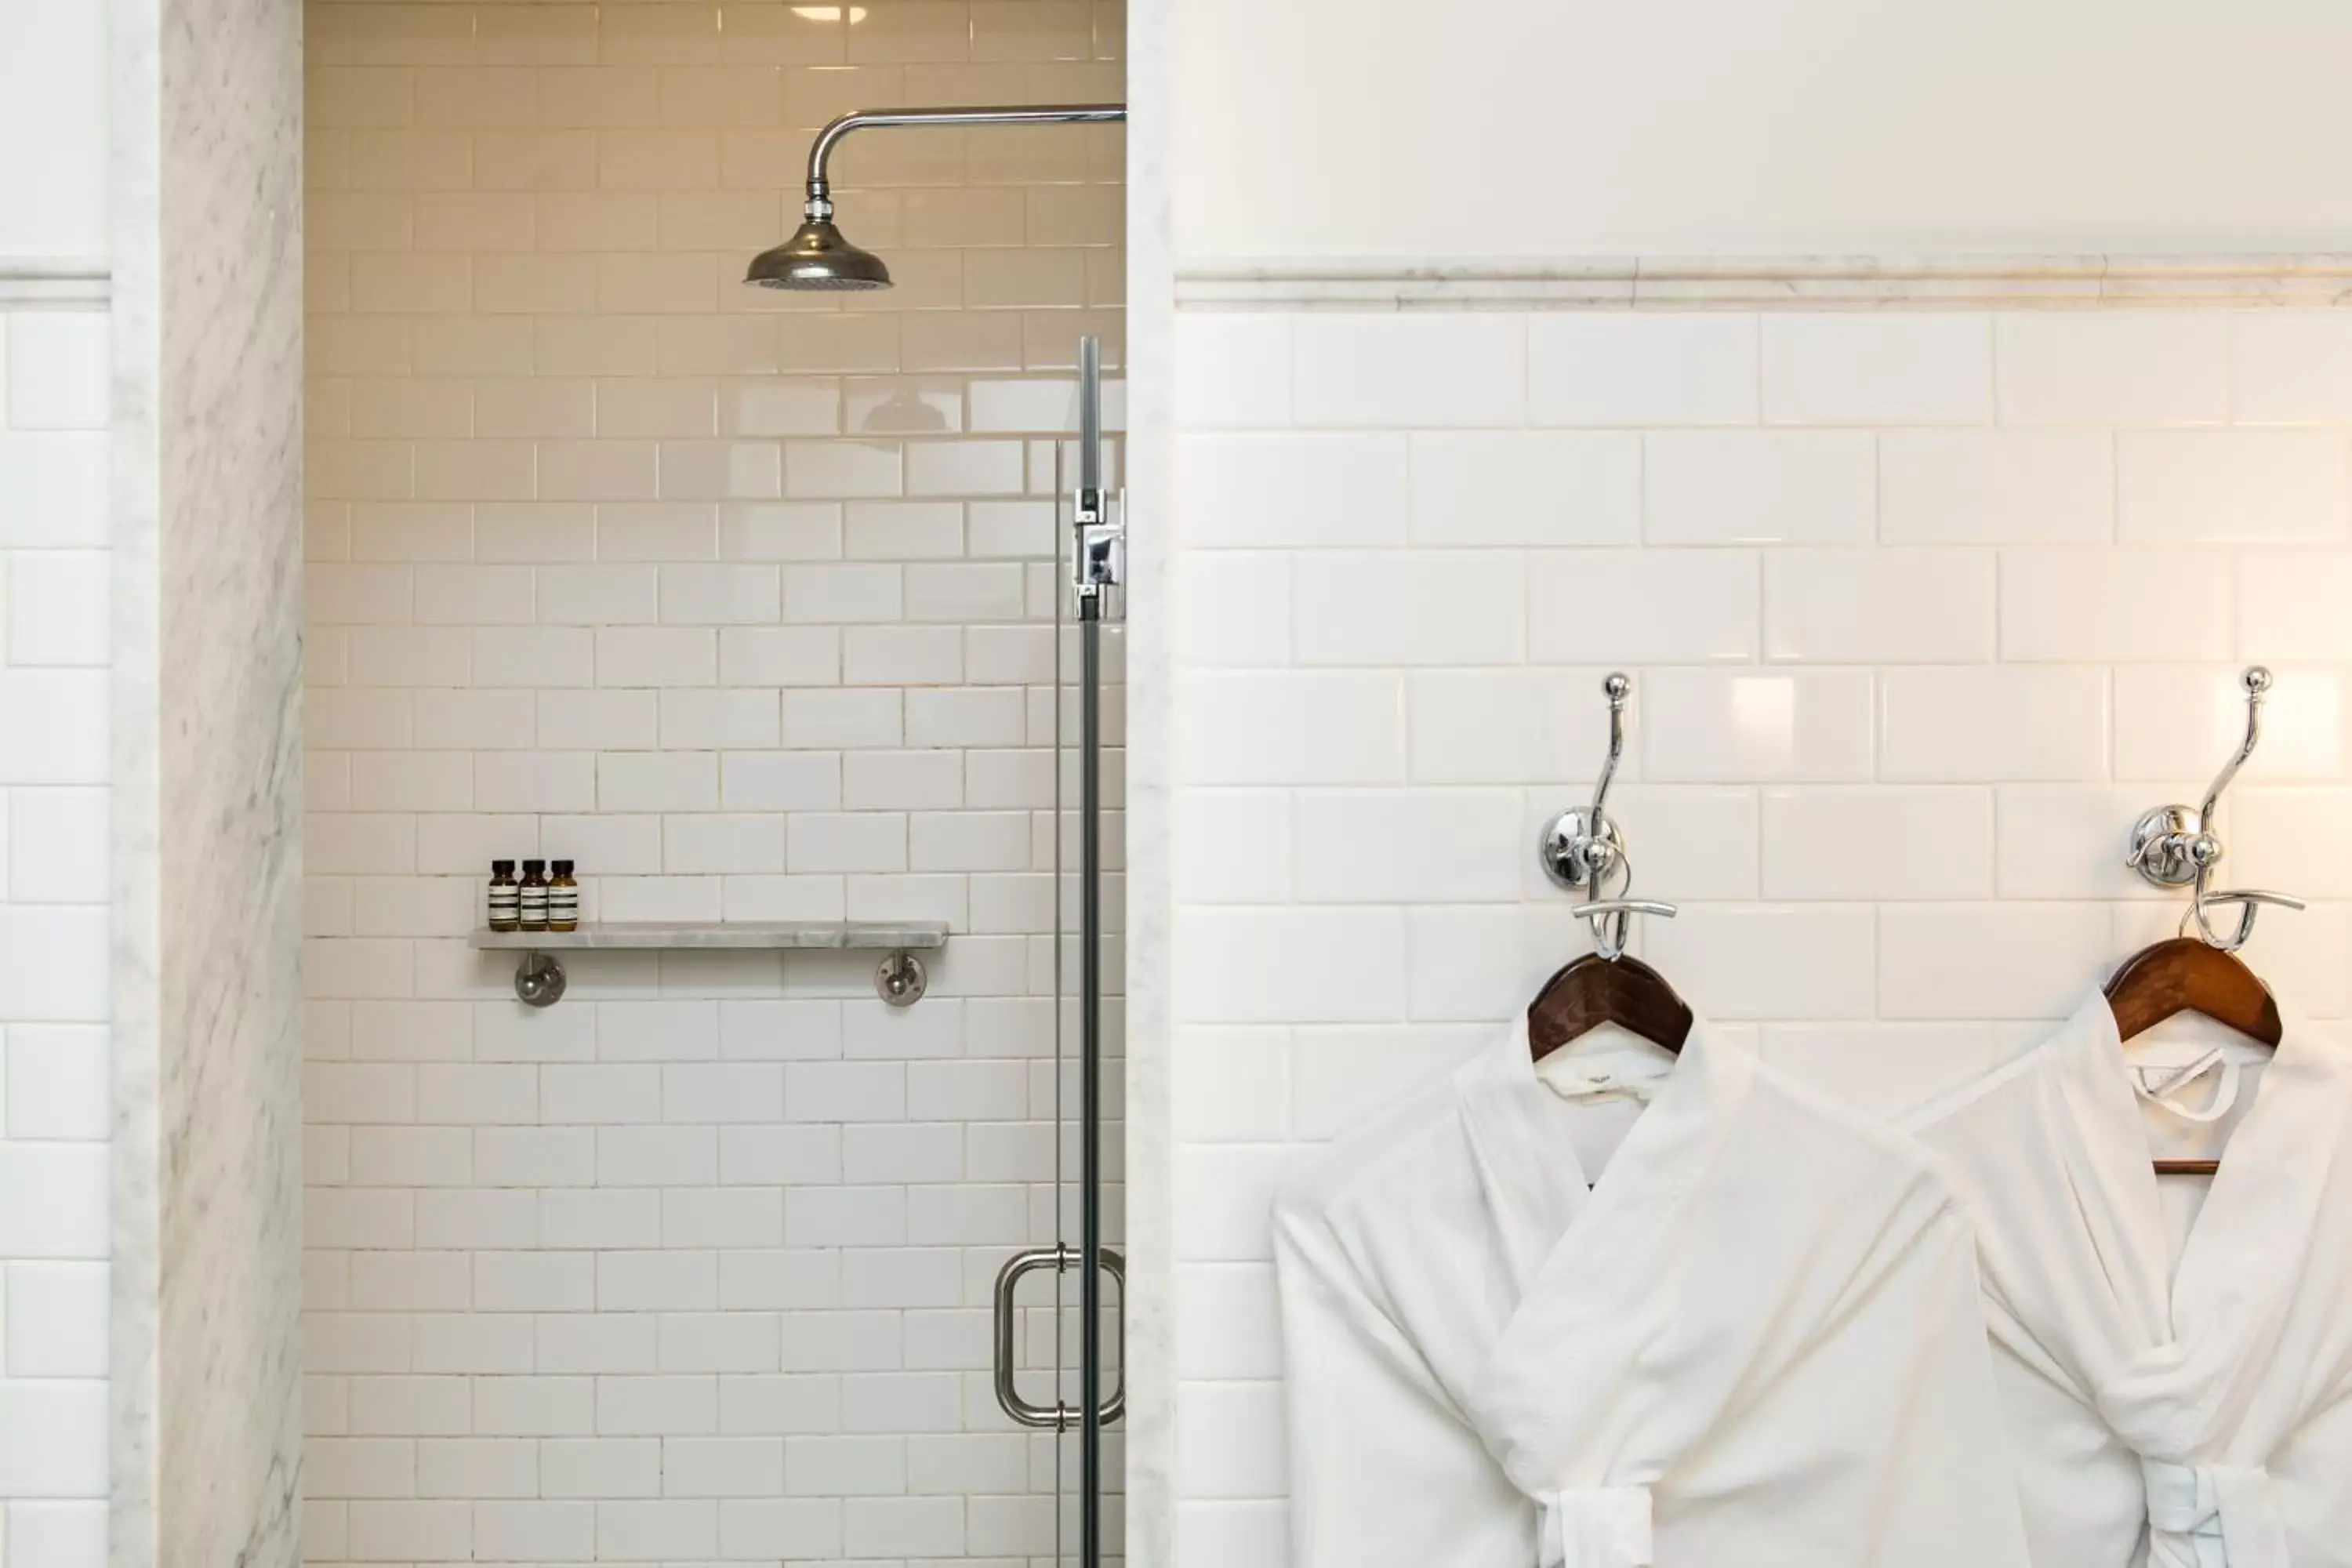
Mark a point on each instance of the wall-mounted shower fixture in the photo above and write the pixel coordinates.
(1582, 850)
(817, 257)
(2175, 846)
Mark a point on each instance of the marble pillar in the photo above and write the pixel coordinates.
(208, 257)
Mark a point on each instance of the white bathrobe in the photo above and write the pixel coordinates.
(2197, 1418)
(1757, 1344)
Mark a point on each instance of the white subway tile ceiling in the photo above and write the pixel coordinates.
(1921, 609)
(743, 601)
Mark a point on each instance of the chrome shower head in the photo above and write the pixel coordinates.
(817, 258)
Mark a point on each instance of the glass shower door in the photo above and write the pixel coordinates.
(1059, 1366)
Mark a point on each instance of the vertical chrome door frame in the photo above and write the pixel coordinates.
(1090, 591)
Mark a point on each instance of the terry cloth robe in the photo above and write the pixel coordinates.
(2196, 1415)
(1756, 1343)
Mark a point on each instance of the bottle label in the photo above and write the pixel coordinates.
(534, 909)
(564, 907)
(505, 907)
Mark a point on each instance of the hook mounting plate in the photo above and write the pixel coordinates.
(1566, 845)
(2159, 846)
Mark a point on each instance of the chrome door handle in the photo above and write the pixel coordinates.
(1057, 1417)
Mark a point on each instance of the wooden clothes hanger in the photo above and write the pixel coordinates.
(1591, 991)
(2172, 846)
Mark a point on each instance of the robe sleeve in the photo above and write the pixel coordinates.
(1384, 1471)
(1945, 1491)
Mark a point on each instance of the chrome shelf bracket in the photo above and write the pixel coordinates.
(540, 979)
(539, 982)
(2175, 846)
(900, 979)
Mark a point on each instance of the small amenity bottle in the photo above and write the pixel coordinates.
(562, 899)
(506, 898)
(533, 895)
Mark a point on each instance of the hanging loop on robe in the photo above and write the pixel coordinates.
(1598, 1527)
(2211, 1516)
(2158, 1085)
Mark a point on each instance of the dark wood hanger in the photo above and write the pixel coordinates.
(2183, 974)
(1591, 991)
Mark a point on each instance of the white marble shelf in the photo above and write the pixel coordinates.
(832, 936)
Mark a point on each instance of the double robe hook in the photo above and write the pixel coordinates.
(1582, 850)
(2175, 846)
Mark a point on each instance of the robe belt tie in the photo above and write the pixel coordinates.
(1599, 1527)
(2211, 1516)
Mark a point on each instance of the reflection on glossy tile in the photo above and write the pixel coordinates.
(1757, 488)
(2292, 605)
(1031, 30)
(538, 35)
(1993, 723)
(897, 408)
(780, 408)
(1703, 725)
(2120, 605)
(2216, 488)
(672, 33)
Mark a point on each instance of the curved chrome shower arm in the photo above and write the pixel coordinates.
(820, 202)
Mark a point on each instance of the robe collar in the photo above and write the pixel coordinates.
(2172, 1365)
(1520, 1132)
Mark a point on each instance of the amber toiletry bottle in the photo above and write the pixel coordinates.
(534, 895)
(562, 899)
(506, 898)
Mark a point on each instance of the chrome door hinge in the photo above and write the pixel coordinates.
(1100, 559)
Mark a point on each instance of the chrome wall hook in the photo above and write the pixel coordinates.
(2175, 846)
(1581, 850)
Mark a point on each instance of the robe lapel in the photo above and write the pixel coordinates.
(2123, 1309)
(1602, 1276)
(1544, 1211)
(1518, 1134)
(2238, 1273)
(2174, 1365)
(2192, 1346)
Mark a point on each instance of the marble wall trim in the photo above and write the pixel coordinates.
(1771, 282)
(52, 282)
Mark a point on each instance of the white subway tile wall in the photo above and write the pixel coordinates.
(1921, 609)
(55, 1061)
(743, 600)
